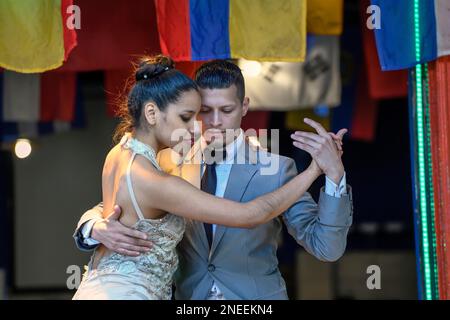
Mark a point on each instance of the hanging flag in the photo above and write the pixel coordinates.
(264, 30)
(58, 91)
(325, 17)
(351, 63)
(38, 97)
(112, 34)
(33, 35)
(256, 120)
(285, 86)
(442, 11)
(294, 119)
(10, 131)
(396, 37)
(21, 96)
(365, 113)
(381, 84)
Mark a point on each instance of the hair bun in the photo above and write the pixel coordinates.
(151, 67)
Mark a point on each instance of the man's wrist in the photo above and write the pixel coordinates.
(336, 175)
(92, 233)
(85, 232)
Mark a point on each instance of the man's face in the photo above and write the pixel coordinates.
(221, 110)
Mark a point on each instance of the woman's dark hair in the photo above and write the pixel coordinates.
(155, 80)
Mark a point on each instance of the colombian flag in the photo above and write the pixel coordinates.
(264, 30)
(34, 36)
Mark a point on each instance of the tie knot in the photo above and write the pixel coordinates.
(215, 156)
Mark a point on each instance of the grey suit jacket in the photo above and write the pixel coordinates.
(243, 262)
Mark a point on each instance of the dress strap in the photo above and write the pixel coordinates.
(131, 191)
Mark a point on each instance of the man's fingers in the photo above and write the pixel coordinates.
(341, 133)
(333, 135)
(337, 139)
(126, 252)
(135, 242)
(115, 215)
(131, 247)
(133, 233)
(320, 130)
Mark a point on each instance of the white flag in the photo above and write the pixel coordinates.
(442, 10)
(21, 97)
(286, 86)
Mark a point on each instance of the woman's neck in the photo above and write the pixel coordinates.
(149, 139)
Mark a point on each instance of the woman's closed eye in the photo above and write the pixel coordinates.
(186, 118)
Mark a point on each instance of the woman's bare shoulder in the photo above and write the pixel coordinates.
(112, 159)
(143, 170)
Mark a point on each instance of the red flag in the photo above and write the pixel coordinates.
(58, 91)
(382, 84)
(364, 119)
(112, 34)
(70, 35)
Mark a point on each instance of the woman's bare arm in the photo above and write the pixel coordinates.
(156, 190)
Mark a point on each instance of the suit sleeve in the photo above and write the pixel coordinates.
(320, 228)
(95, 213)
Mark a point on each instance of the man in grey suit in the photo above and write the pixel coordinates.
(218, 262)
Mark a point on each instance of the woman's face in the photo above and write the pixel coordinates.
(175, 125)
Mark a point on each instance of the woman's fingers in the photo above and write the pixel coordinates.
(337, 139)
(310, 135)
(310, 142)
(341, 133)
(316, 140)
(304, 147)
(320, 130)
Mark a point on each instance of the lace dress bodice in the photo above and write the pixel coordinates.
(153, 269)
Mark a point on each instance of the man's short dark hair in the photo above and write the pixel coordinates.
(220, 74)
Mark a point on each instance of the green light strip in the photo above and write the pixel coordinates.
(430, 187)
(421, 157)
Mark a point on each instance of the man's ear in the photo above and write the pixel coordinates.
(245, 105)
(150, 111)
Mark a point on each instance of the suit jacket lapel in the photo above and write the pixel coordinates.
(238, 181)
(191, 171)
(188, 169)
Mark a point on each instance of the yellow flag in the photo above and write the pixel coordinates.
(325, 17)
(268, 30)
(294, 120)
(31, 35)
